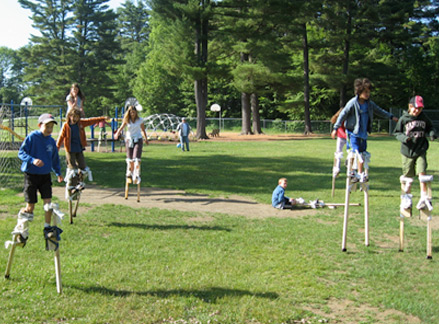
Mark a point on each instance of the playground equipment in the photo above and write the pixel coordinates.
(161, 126)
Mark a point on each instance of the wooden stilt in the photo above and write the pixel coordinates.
(128, 180)
(11, 255)
(429, 239)
(346, 206)
(57, 260)
(401, 233)
(365, 187)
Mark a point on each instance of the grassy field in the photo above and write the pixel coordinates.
(131, 265)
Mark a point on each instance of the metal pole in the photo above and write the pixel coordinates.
(12, 119)
(25, 118)
(60, 118)
(92, 138)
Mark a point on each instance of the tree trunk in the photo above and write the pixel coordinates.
(308, 129)
(347, 45)
(254, 99)
(245, 108)
(200, 85)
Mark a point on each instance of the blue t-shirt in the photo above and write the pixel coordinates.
(364, 120)
(75, 140)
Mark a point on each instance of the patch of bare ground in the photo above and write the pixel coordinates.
(349, 312)
(179, 200)
(5, 214)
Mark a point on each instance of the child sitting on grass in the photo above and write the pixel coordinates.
(279, 200)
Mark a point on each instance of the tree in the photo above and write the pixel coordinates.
(158, 82)
(11, 74)
(259, 58)
(46, 58)
(133, 36)
(96, 52)
(192, 17)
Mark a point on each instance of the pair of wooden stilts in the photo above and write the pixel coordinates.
(133, 179)
(425, 212)
(128, 181)
(16, 242)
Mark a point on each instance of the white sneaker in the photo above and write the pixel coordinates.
(406, 201)
(363, 177)
(355, 177)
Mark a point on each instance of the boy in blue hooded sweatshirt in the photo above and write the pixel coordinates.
(358, 117)
(39, 156)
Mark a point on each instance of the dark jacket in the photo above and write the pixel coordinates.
(412, 132)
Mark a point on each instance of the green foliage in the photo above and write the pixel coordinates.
(148, 49)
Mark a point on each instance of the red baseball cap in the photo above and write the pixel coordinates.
(417, 102)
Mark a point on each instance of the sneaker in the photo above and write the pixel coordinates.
(354, 176)
(129, 174)
(52, 236)
(363, 177)
(406, 201)
(335, 172)
(22, 240)
(80, 186)
(424, 202)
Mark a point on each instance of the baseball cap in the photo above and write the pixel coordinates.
(46, 118)
(417, 102)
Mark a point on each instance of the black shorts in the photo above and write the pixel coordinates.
(34, 183)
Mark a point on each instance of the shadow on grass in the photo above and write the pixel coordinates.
(171, 227)
(207, 201)
(307, 170)
(208, 295)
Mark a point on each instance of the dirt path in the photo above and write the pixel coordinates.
(179, 200)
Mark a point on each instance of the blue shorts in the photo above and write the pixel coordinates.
(358, 144)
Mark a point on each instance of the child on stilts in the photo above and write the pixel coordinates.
(73, 138)
(412, 131)
(358, 117)
(133, 143)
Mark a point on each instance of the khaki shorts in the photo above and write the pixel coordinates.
(414, 166)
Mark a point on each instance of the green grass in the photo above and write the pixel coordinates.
(131, 265)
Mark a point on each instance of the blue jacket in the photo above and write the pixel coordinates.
(351, 114)
(278, 196)
(38, 146)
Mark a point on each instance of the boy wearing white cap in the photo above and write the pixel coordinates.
(39, 156)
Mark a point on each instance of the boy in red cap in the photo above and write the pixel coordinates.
(412, 130)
